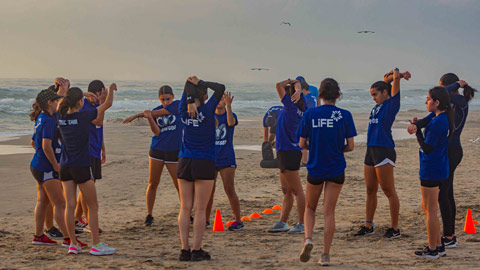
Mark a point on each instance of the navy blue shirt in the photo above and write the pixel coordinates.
(310, 100)
(326, 127)
(96, 132)
(381, 120)
(198, 133)
(460, 106)
(75, 129)
(272, 112)
(287, 124)
(45, 128)
(434, 165)
(225, 155)
(170, 137)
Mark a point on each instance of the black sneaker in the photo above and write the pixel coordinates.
(449, 243)
(441, 251)
(427, 253)
(53, 233)
(391, 233)
(185, 255)
(199, 255)
(364, 231)
(78, 232)
(148, 220)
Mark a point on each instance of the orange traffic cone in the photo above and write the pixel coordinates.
(267, 211)
(476, 222)
(469, 227)
(229, 223)
(255, 215)
(245, 218)
(218, 223)
(277, 207)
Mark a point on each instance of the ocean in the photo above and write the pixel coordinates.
(251, 99)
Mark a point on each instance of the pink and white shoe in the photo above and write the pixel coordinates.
(74, 249)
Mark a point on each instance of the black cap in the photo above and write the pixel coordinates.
(47, 95)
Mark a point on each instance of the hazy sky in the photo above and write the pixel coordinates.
(221, 40)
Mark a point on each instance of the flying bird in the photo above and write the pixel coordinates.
(289, 24)
(260, 69)
(365, 32)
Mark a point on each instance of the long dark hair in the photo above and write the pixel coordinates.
(441, 94)
(290, 90)
(381, 86)
(329, 89)
(449, 78)
(70, 100)
(37, 108)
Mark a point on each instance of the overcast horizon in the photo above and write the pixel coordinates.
(223, 40)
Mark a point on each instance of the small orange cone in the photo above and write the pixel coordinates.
(267, 211)
(255, 215)
(218, 223)
(245, 218)
(469, 227)
(277, 207)
(229, 223)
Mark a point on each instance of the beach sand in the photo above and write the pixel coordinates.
(121, 195)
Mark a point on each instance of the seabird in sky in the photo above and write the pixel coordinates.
(289, 24)
(365, 32)
(259, 69)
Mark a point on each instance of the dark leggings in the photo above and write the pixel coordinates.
(445, 197)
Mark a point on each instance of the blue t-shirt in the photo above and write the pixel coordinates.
(313, 90)
(326, 127)
(272, 112)
(45, 128)
(170, 137)
(434, 165)
(287, 124)
(75, 129)
(198, 133)
(225, 155)
(96, 132)
(381, 120)
(310, 100)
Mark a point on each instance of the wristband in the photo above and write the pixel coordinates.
(190, 100)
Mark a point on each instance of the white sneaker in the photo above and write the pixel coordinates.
(101, 249)
(307, 248)
(73, 249)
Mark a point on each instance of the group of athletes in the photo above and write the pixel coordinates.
(193, 139)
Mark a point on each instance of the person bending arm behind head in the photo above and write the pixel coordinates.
(434, 169)
(330, 131)
(380, 155)
(196, 165)
(75, 164)
(289, 154)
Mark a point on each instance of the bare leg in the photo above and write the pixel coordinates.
(155, 169)
(202, 192)
(54, 191)
(386, 180)
(332, 191)
(295, 186)
(371, 183)
(208, 212)
(79, 208)
(90, 196)
(287, 203)
(48, 214)
(40, 209)
(430, 205)
(228, 178)
(172, 170)
(70, 194)
(186, 204)
(313, 195)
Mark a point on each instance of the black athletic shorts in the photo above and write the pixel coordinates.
(41, 177)
(317, 181)
(96, 168)
(79, 175)
(191, 169)
(289, 160)
(379, 156)
(429, 183)
(167, 157)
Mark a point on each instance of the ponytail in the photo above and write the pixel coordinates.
(70, 100)
(468, 92)
(36, 111)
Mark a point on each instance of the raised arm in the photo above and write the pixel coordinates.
(107, 104)
(218, 88)
(397, 76)
(280, 86)
(228, 107)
